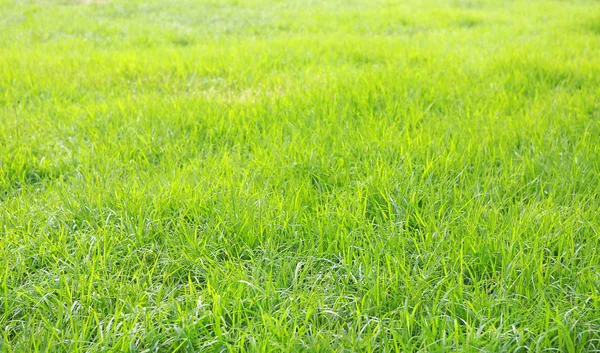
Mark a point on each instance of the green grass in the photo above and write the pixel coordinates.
(253, 175)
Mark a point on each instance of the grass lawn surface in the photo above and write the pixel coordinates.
(257, 176)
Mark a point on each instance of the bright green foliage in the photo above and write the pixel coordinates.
(253, 175)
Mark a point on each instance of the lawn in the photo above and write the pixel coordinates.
(261, 175)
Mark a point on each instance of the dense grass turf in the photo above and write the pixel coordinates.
(311, 175)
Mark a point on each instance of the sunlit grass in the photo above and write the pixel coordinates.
(299, 176)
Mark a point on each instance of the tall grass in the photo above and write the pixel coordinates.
(373, 176)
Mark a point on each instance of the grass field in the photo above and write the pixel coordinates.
(361, 176)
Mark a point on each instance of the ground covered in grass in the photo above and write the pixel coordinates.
(299, 175)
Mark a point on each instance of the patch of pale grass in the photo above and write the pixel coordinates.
(87, 2)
